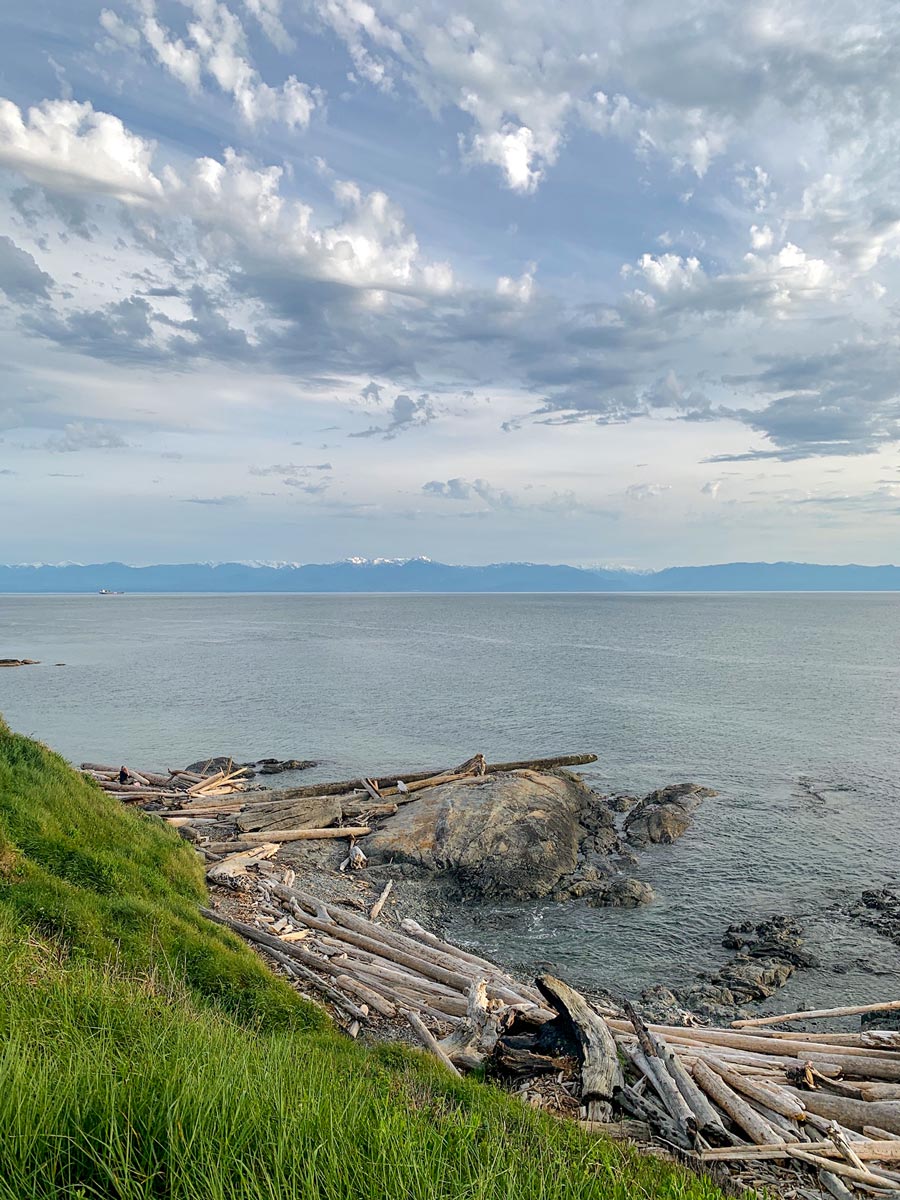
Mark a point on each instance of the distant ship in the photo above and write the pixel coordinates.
(109, 592)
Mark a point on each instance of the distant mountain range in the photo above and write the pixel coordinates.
(424, 575)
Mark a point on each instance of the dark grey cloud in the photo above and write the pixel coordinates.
(405, 413)
(21, 279)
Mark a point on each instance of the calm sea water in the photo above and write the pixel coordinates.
(752, 695)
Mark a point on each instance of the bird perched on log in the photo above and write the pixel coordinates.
(401, 787)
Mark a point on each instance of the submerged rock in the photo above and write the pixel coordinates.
(622, 893)
(514, 835)
(664, 815)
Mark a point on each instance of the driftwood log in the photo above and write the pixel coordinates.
(601, 1074)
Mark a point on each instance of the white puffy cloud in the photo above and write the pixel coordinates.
(216, 48)
(66, 145)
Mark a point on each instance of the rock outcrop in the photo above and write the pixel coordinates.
(514, 835)
(664, 815)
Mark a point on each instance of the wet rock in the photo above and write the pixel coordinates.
(778, 937)
(753, 978)
(18, 662)
(664, 815)
(622, 893)
(879, 910)
(275, 766)
(514, 835)
(880, 1020)
(621, 802)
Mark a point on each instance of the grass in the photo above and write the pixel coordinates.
(145, 1055)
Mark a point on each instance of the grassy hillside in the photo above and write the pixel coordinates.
(146, 1054)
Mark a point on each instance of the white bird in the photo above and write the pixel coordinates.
(401, 787)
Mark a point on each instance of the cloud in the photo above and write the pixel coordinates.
(214, 501)
(78, 435)
(646, 491)
(21, 278)
(64, 145)
(405, 413)
(711, 488)
(216, 48)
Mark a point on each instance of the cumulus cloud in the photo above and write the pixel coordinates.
(405, 413)
(216, 48)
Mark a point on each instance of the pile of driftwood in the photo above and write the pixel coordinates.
(140, 787)
(343, 808)
(825, 1102)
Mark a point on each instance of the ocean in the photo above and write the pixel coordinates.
(787, 704)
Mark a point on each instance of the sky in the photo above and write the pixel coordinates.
(298, 280)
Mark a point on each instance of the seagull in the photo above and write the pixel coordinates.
(401, 787)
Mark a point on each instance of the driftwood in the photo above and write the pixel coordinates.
(839, 1168)
(341, 787)
(740, 1111)
(234, 869)
(601, 1073)
(428, 1040)
(853, 1114)
(307, 835)
(375, 911)
(871, 1151)
(851, 1010)
(315, 812)
(474, 1038)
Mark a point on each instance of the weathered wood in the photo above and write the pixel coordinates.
(316, 812)
(324, 988)
(708, 1117)
(644, 1109)
(870, 1178)
(368, 994)
(474, 1038)
(850, 1010)
(368, 810)
(235, 867)
(375, 911)
(307, 835)
(481, 965)
(740, 1111)
(874, 1151)
(872, 1131)
(428, 1040)
(341, 787)
(854, 1114)
(391, 943)
(601, 1073)
(770, 1095)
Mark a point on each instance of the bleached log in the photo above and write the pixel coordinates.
(341, 787)
(369, 811)
(708, 1117)
(472, 962)
(428, 1040)
(368, 994)
(375, 911)
(853, 1114)
(414, 952)
(874, 1151)
(307, 835)
(601, 1073)
(757, 1043)
(770, 1095)
(316, 812)
(739, 1110)
(299, 971)
(474, 1038)
(815, 1014)
(235, 867)
(654, 1071)
(870, 1178)
(872, 1131)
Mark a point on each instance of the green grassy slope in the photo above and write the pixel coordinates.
(146, 1055)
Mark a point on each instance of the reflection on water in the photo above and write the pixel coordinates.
(786, 704)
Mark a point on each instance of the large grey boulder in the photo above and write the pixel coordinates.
(664, 815)
(513, 835)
